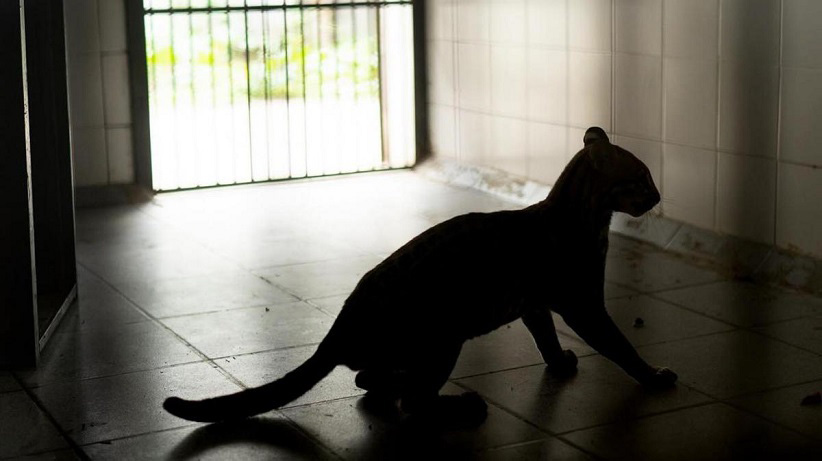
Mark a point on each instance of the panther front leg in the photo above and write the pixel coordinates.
(561, 363)
(596, 327)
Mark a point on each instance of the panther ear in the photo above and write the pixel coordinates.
(594, 134)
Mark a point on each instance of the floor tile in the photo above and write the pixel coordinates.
(98, 305)
(265, 437)
(714, 431)
(331, 305)
(354, 431)
(271, 250)
(263, 367)
(177, 260)
(735, 363)
(96, 352)
(321, 279)
(58, 455)
(662, 321)
(510, 346)
(129, 404)
(647, 272)
(805, 333)
(783, 406)
(744, 304)
(206, 293)
(123, 227)
(617, 242)
(7, 382)
(600, 393)
(24, 429)
(551, 448)
(242, 331)
(378, 233)
(185, 257)
(612, 291)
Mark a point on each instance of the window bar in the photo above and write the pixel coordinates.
(320, 82)
(191, 63)
(217, 9)
(231, 95)
(379, 86)
(265, 94)
(213, 65)
(355, 81)
(248, 92)
(287, 90)
(175, 125)
(302, 75)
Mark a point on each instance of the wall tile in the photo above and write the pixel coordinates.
(89, 156)
(474, 137)
(473, 20)
(650, 152)
(750, 31)
(439, 20)
(85, 90)
(690, 28)
(575, 143)
(547, 23)
(116, 93)
(589, 25)
(688, 176)
(547, 96)
(638, 26)
(508, 23)
(589, 98)
(508, 81)
(509, 145)
(547, 151)
(748, 108)
(82, 33)
(745, 199)
(801, 111)
(112, 15)
(441, 72)
(443, 130)
(639, 95)
(120, 155)
(801, 39)
(690, 101)
(474, 76)
(799, 216)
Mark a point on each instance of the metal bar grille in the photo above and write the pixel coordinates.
(245, 91)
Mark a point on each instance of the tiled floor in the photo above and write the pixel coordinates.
(201, 293)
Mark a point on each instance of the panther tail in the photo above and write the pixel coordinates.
(255, 400)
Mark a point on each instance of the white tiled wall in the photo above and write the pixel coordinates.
(721, 98)
(99, 98)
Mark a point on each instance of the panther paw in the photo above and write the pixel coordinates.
(660, 378)
(563, 366)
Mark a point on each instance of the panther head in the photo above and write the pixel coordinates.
(626, 181)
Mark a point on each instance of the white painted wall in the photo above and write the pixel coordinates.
(721, 98)
(99, 99)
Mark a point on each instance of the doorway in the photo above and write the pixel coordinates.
(247, 91)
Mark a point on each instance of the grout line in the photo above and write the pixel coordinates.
(562, 435)
(191, 347)
(63, 433)
(309, 436)
(765, 418)
(755, 331)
